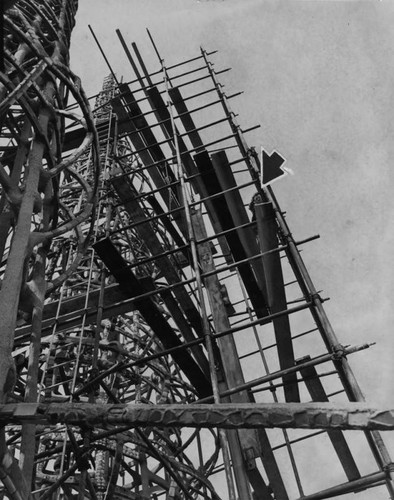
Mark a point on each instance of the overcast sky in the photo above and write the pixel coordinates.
(318, 77)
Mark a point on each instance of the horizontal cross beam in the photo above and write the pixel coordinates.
(348, 416)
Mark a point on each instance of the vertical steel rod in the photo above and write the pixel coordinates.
(103, 54)
(206, 327)
(272, 388)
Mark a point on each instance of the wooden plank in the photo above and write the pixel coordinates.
(139, 144)
(238, 463)
(142, 126)
(127, 195)
(186, 118)
(253, 444)
(222, 211)
(153, 317)
(163, 115)
(317, 392)
(238, 213)
(228, 350)
(267, 230)
(156, 152)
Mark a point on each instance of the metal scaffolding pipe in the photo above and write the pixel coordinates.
(374, 479)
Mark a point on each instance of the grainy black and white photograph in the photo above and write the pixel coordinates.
(196, 286)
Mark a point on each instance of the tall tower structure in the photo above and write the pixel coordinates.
(161, 336)
(36, 215)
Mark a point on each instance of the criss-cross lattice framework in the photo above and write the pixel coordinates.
(35, 215)
(163, 348)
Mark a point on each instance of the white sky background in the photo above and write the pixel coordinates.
(319, 77)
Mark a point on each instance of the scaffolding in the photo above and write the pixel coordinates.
(161, 336)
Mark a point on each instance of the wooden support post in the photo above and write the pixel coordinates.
(228, 350)
(248, 440)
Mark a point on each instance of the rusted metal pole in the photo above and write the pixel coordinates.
(374, 479)
(13, 285)
(204, 317)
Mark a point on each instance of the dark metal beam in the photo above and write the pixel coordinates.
(224, 216)
(126, 193)
(317, 392)
(248, 438)
(276, 295)
(152, 315)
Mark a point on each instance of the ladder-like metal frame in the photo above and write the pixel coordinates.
(133, 364)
